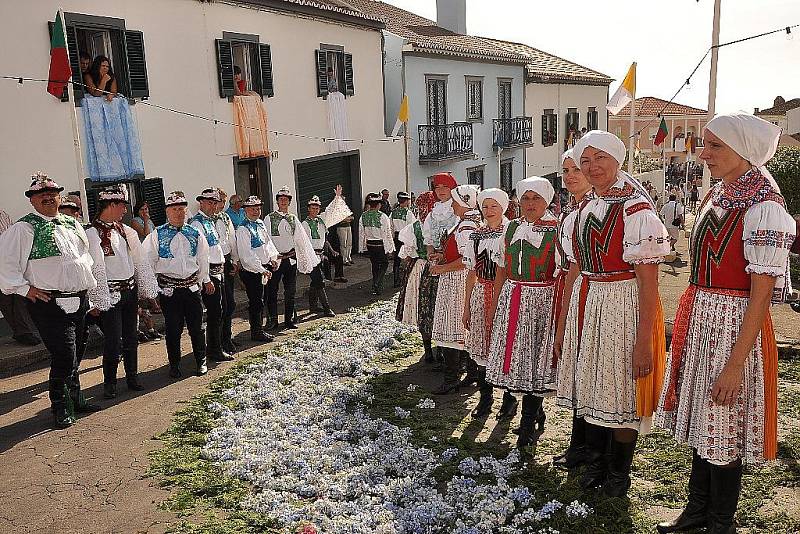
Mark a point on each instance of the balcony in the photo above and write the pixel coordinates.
(445, 141)
(514, 132)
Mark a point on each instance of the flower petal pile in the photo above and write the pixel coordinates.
(295, 427)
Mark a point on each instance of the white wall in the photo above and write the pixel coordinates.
(542, 160)
(793, 121)
(416, 68)
(191, 154)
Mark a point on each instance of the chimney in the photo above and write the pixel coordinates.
(452, 15)
(755, 112)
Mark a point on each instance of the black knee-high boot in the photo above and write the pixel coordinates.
(695, 514)
(484, 406)
(508, 409)
(531, 405)
(618, 480)
(726, 484)
(597, 443)
(452, 370)
(313, 300)
(472, 372)
(575, 454)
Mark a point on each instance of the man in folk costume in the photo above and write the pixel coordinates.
(295, 253)
(580, 191)
(204, 221)
(618, 330)
(480, 259)
(129, 278)
(448, 325)
(46, 258)
(413, 253)
(178, 254)
(521, 350)
(258, 258)
(375, 237)
(317, 232)
(401, 217)
(720, 390)
(439, 220)
(226, 231)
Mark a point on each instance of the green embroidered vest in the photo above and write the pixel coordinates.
(371, 219)
(44, 241)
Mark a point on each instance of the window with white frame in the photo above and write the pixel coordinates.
(591, 119)
(475, 176)
(474, 98)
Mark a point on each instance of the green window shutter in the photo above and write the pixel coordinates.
(349, 87)
(138, 86)
(153, 193)
(322, 73)
(265, 56)
(545, 134)
(91, 200)
(225, 68)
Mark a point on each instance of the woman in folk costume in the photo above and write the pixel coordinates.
(580, 191)
(129, 278)
(439, 220)
(618, 330)
(413, 254)
(720, 391)
(448, 326)
(521, 352)
(479, 259)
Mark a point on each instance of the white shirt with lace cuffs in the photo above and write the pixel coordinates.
(182, 265)
(254, 259)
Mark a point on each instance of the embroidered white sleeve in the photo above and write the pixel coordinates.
(99, 296)
(143, 271)
(769, 232)
(645, 237)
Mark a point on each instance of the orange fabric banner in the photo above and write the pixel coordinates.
(251, 129)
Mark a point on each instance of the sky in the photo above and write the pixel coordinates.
(666, 38)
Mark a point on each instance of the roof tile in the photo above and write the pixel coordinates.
(650, 106)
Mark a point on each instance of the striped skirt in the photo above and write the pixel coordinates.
(448, 324)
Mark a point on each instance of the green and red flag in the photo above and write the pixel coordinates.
(60, 71)
(662, 133)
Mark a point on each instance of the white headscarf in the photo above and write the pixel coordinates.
(498, 195)
(611, 145)
(605, 141)
(568, 155)
(538, 185)
(466, 195)
(755, 139)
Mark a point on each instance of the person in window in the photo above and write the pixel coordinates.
(333, 81)
(85, 62)
(100, 80)
(240, 85)
(141, 221)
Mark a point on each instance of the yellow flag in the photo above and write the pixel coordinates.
(626, 92)
(402, 116)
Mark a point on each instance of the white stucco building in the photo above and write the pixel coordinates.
(180, 54)
(466, 97)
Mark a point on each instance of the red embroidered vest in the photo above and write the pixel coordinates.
(598, 244)
(717, 251)
(450, 247)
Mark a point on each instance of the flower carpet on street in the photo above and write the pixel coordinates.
(335, 431)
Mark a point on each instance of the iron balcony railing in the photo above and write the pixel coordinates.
(445, 141)
(513, 132)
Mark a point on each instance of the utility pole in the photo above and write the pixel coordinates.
(712, 82)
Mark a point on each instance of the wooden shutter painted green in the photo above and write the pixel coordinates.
(265, 56)
(91, 200)
(138, 86)
(153, 193)
(545, 134)
(349, 86)
(225, 68)
(322, 73)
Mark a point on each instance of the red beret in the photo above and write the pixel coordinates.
(444, 178)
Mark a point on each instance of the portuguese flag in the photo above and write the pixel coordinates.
(60, 71)
(662, 133)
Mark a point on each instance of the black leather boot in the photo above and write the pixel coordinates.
(326, 307)
(484, 406)
(202, 368)
(428, 357)
(575, 455)
(60, 404)
(450, 381)
(531, 405)
(79, 402)
(313, 300)
(726, 484)
(472, 373)
(594, 475)
(214, 350)
(110, 366)
(509, 407)
(695, 514)
(618, 481)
